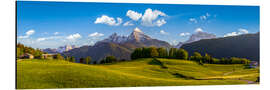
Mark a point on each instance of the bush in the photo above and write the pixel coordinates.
(196, 57)
(108, 59)
(59, 57)
(182, 54)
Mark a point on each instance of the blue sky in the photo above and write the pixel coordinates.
(54, 24)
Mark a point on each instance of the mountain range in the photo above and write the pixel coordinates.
(119, 46)
(60, 49)
(243, 46)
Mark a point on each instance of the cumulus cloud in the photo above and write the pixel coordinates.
(41, 39)
(95, 34)
(193, 20)
(128, 23)
(56, 33)
(74, 36)
(134, 15)
(204, 17)
(240, 31)
(160, 22)
(104, 19)
(163, 32)
(198, 30)
(28, 34)
(184, 34)
(150, 15)
(48, 38)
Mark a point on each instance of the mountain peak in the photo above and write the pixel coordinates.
(137, 30)
(200, 35)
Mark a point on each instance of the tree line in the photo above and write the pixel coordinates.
(174, 53)
(22, 49)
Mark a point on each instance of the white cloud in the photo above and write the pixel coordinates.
(41, 39)
(198, 30)
(48, 38)
(240, 31)
(95, 34)
(193, 20)
(128, 23)
(74, 36)
(104, 19)
(160, 22)
(28, 33)
(56, 33)
(163, 32)
(184, 34)
(134, 15)
(204, 17)
(149, 16)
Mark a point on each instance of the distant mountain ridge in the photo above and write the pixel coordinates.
(242, 46)
(60, 49)
(119, 46)
(196, 37)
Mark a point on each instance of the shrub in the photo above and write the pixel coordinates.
(182, 54)
(196, 57)
(108, 59)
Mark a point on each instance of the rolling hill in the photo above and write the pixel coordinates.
(32, 74)
(243, 46)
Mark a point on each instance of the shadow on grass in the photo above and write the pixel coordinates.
(178, 75)
(155, 61)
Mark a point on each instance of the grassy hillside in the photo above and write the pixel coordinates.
(33, 74)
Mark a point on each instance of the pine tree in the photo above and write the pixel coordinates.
(162, 52)
(88, 60)
(182, 54)
(153, 52)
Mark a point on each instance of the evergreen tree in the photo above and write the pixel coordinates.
(137, 53)
(162, 52)
(110, 59)
(207, 58)
(196, 56)
(172, 53)
(154, 52)
(182, 54)
(88, 60)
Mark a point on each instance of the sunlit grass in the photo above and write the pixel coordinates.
(33, 74)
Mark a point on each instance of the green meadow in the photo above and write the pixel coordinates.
(34, 73)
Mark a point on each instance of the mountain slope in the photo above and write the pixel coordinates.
(196, 37)
(119, 46)
(244, 46)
